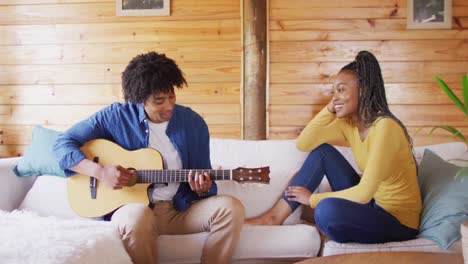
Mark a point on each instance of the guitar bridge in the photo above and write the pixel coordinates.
(93, 182)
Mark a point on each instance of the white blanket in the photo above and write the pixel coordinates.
(28, 238)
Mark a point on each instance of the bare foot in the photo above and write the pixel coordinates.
(268, 218)
(274, 216)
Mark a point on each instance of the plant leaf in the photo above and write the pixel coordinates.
(462, 172)
(452, 130)
(417, 131)
(451, 95)
(465, 91)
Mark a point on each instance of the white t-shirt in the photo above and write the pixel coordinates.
(161, 142)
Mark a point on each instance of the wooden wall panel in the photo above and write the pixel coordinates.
(411, 72)
(311, 40)
(397, 93)
(35, 2)
(104, 11)
(401, 50)
(120, 52)
(59, 94)
(62, 61)
(109, 73)
(278, 4)
(157, 31)
(334, 12)
(359, 29)
(65, 57)
(369, 34)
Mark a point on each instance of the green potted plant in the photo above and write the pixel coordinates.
(462, 105)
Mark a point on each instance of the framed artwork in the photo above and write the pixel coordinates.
(143, 7)
(429, 14)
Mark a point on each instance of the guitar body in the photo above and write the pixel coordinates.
(107, 199)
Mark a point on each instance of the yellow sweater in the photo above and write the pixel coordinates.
(384, 157)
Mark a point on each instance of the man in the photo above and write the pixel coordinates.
(151, 118)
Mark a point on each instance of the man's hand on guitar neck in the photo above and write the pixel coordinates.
(115, 177)
(201, 183)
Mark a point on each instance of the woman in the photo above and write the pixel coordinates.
(385, 203)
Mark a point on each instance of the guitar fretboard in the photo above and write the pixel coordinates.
(159, 176)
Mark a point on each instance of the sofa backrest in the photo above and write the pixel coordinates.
(280, 155)
(448, 151)
(13, 189)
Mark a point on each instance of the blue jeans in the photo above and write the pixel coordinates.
(340, 219)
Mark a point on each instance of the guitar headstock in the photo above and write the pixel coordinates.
(257, 175)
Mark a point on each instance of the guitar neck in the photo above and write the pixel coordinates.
(155, 176)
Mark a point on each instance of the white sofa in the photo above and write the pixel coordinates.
(44, 201)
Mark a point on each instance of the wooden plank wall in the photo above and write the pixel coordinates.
(311, 40)
(61, 60)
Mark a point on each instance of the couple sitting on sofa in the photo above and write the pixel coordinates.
(383, 205)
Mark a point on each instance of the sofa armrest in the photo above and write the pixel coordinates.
(13, 189)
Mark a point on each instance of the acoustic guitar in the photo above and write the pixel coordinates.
(90, 198)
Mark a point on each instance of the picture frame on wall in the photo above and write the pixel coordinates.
(143, 7)
(429, 14)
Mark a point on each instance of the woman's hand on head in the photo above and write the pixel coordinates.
(298, 194)
(331, 106)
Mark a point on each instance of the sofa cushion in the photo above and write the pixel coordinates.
(445, 200)
(419, 244)
(256, 242)
(37, 159)
(29, 238)
(281, 156)
(48, 197)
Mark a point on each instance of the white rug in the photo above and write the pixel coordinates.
(28, 238)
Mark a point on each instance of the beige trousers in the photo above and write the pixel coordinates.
(221, 216)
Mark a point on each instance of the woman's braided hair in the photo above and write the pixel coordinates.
(372, 102)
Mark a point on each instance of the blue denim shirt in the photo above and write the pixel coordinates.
(126, 124)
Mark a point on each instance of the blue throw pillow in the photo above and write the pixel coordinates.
(37, 159)
(445, 200)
